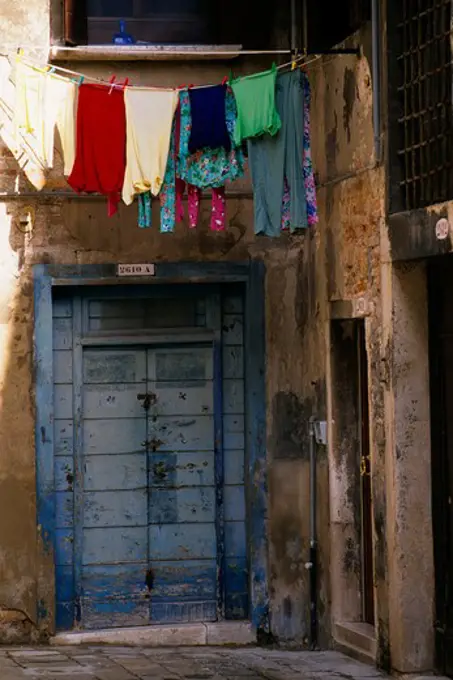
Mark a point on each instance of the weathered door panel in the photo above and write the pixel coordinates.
(115, 490)
(114, 366)
(182, 500)
(112, 401)
(126, 604)
(179, 505)
(108, 436)
(115, 545)
(184, 434)
(105, 508)
(173, 543)
(181, 469)
(182, 400)
(126, 471)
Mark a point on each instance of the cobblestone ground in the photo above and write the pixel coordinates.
(123, 663)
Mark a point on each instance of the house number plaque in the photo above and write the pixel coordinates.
(135, 270)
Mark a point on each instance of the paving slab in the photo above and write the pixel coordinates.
(93, 662)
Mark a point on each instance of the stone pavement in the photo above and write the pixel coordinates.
(194, 663)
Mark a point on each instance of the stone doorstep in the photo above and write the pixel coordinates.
(356, 639)
(237, 633)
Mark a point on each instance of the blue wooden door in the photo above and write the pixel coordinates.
(182, 501)
(148, 496)
(148, 502)
(112, 510)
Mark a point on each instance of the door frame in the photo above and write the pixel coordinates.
(252, 275)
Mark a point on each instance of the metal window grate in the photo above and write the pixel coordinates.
(425, 89)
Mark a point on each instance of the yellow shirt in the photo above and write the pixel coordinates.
(149, 118)
(45, 103)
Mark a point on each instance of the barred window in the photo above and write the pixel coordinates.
(420, 84)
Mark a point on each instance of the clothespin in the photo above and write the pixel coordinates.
(51, 70)
(19, 55)
(126, 83)
(112, 83)
(224, 80)
(81, 79)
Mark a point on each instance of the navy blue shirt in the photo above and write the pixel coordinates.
(209, 129)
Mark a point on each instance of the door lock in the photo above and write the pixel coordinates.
(153, 444)
(148, 399)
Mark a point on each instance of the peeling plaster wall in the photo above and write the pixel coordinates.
(411, 569)
(338, 261)
(69, 229)
(352, 210)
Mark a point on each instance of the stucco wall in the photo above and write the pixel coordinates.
(352, 207)
(336, 261)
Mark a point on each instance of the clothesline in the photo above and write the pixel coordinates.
(52, 68)
(130, 142)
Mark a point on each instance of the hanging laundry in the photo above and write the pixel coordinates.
(272, 159)
(29, 105)
(101, 143)
(309, 175)
(209, 129)
(255, 99)
(44, 103)
(144, 210)
(62, 94)
(309, 178)
(194, 194)
(167, 194)
(208, 168)
(149, 117)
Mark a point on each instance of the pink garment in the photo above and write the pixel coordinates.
(218, 209)
(194, 203)
(180, 187)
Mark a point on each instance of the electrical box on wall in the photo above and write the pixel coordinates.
(320, 427)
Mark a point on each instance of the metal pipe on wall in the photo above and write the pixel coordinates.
(376, 77)
(293, 28)
(305, 26)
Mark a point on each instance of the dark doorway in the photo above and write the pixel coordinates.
(440, 282)
(365, 480)
(352, 424)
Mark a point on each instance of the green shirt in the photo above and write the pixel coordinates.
(255, 100)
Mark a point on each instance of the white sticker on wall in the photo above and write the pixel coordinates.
(442, 229)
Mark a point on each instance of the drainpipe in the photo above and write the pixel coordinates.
(293, 29)
(313, 559)
(376, 77)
